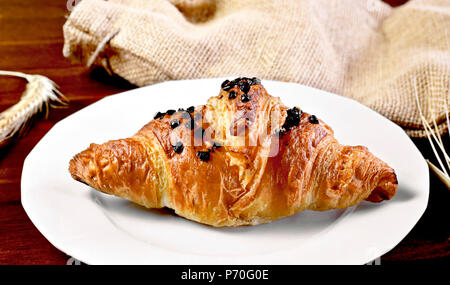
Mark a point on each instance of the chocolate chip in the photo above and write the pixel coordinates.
(180, 110)
(313, 119)
(174, 123)
(170, 112)
(203, 155)
(245, 97)
(295, 112)
(159, 115)
(227, 88)
(226, 85)
(232, 95)
(255, 81)
(178, 147)
(190, 109)
(292, 119)
(244, 86)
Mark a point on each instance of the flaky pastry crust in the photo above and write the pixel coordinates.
(258, 161)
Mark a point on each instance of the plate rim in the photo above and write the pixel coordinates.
(53, 240)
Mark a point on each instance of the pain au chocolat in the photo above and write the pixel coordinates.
(242, 159)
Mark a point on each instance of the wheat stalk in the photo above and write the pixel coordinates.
(433, 135)
(40, 94)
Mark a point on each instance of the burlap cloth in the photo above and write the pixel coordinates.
(362, 49)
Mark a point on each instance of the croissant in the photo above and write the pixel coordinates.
(242, 159)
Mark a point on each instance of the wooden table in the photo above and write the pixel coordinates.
(31, 41)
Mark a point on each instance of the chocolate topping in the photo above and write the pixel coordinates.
(245, 97)
(292, 119)
(203, 155)
(170, 112)
(313, 119)
(159, 115)
(244, 86)
(174, 123)
(178, 147)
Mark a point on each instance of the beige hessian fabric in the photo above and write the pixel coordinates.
(362, 49)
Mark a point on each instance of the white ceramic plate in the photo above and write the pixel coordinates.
(100, 229)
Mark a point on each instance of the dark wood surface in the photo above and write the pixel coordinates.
(31, 41)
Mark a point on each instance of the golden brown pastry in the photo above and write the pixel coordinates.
(242, 159)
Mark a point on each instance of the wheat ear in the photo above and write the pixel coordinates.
(433, 134)
(40, 94)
